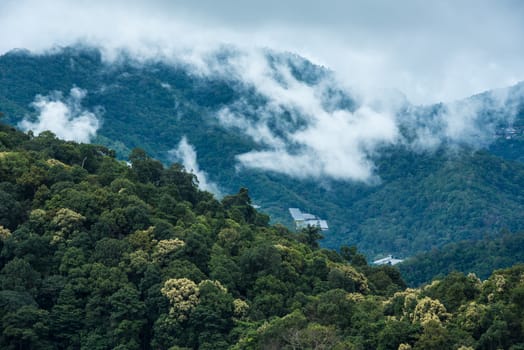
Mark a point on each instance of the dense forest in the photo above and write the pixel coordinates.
(99, 254)
(424, 200)
(480, 257)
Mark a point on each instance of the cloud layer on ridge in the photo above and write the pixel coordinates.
(65, 117)
(432, 51)
(304, 130)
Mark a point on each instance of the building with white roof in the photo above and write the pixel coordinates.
(303, 220)
(388, 260)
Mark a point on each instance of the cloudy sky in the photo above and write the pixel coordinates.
(430, 50)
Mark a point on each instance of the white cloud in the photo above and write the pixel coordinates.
(336, 145)
(65, 117)
(302, 135)
(260, 132)
(302, 131)
(186, 154)
(473, 121)
(432, 51)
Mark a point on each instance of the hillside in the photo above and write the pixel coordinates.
(417, 199)
(97, 254)
(480, 257)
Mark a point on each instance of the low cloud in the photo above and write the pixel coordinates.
(432, 51)
(303, 121)
(186, 154)
(304, 129)
(335, 145)
(64, 116)
(474, 122)
(321, 129)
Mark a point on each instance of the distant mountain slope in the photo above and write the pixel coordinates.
(480, 257)
(424, 198)
(427, 201)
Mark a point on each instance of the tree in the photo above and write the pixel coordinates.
(347, 278)
(239, 207)
(183, 295)
(351, 255)
(434, 337)
(67, 319)
(310, 235)
(18, 275)
(26, 328)
(127, 317)
(145, 168)
(455, 289)
(211, 320)
(396, 333)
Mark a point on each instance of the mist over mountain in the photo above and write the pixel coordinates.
(430, 51)
(389, 176)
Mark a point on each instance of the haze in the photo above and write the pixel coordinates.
(430, 51)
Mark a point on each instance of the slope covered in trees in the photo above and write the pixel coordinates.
(480, 257)
(423, 201)
(95, 254)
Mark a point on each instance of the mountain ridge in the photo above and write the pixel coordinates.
(154, 105)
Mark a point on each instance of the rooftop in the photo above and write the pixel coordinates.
(303, 220)
(388, 260)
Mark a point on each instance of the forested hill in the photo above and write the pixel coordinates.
(420, 200)
(96, 254)
(480, 257)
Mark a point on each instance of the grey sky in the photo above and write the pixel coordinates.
(430, 50)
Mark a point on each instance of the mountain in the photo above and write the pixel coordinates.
(97, 254)
(442, 182)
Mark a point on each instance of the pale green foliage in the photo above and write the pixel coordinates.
(143, 239)
(165, 247)
(182, 294)
(497, 285)
(355, 297)
(500, 283)
(315, 336)
(38, 217)
(350, 273)
(138, 259)
(55, 162)
(65, 221)
(291, 255)
(473, 277)
(470, 316)
(410, 300)
(5, 233)
(427, 310)
(228, 238)
(240, 307)
(217, 284)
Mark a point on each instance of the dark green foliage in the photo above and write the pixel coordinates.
(111, 257)
(454, 290)
(310, 236)
(18, 275)
(480, 257)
